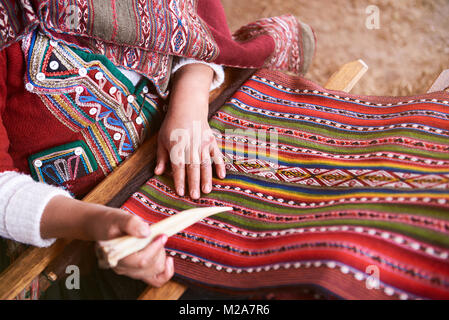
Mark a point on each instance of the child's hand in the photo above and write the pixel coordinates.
(150, 264)
(185, 138)
(68, 218)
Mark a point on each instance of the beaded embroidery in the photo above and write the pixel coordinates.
(90, 96)
(62, 164)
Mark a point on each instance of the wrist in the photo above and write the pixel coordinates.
(191, 84)
(65, 217)
(184, 109)
(190, 92)
(196, 74)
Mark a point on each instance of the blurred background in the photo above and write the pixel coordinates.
(405, 54)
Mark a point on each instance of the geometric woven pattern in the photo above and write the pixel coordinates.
(347, 193)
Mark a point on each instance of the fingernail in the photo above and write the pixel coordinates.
(207, 188)
(195, 194)
(164, 239)
(180, 191)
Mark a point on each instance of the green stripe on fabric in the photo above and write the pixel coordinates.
(423, 234)
(277, 209)
(300, 143)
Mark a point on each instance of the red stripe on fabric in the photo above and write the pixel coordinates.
(372, 245)
(331, 102)
(343, 285)
(334, 280)
(424, 120)
(115, 22)
(298, 82)
(375, 246)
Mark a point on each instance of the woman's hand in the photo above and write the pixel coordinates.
(185, 138)
(73, 219)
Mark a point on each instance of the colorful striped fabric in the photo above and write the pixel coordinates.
(346, 193)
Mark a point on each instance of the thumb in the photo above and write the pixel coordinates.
(134, 226)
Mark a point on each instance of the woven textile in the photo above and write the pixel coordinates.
(348, 193)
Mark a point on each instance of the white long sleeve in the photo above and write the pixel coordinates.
(219, 75)
(218, 70)
(22, 203)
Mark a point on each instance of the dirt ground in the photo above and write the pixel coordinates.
(405, 55)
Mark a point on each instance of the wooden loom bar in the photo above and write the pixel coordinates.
(347, 76)
(441, 83)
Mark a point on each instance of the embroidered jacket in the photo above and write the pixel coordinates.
(68, 116)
